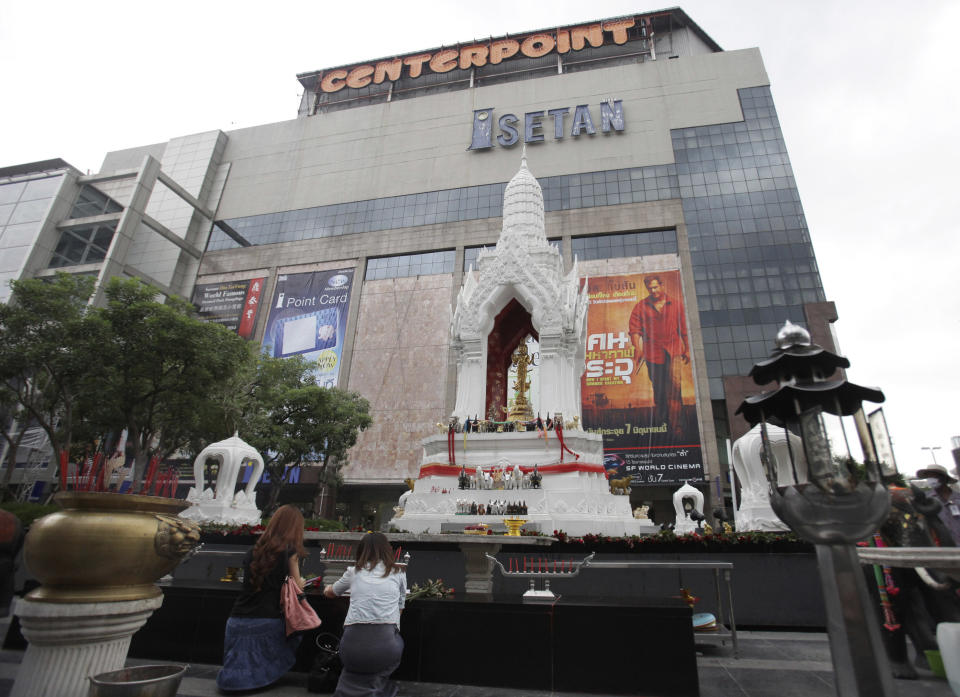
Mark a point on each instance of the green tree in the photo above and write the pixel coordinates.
(160, 371)
(293, 421)
(47, 342)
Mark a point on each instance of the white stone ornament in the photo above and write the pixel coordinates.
(754, 511)
(685, 524)
(222, 505)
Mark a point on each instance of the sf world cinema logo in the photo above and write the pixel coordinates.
(565, 121)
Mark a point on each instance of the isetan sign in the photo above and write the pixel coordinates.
(493, 52)
(535, 123)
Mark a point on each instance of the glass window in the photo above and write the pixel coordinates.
(83, 245)
(625, 245)
(91, 201)
(411, 265)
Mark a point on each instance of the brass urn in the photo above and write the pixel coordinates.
(107, 547)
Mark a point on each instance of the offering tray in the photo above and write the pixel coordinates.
(541, 570)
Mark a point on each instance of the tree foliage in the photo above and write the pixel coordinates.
(174, 382)
(162, 371)
(138, 363)
(45, 340)
(293, 421)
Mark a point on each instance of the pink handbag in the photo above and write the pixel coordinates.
(297, 613)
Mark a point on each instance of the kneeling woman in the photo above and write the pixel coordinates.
(371, 646)
(256, 649)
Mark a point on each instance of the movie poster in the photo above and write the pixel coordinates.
(308, 317)
(233, 304)
(638, 389)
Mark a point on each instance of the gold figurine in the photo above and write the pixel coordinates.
(521, 411)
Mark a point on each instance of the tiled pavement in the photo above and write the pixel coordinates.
(771, 664)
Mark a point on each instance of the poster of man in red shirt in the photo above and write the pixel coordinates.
(638, 389)
(658, 332)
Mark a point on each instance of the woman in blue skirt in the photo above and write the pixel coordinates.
(256, 649)
(371, 645)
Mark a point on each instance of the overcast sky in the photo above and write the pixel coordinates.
(865, 91)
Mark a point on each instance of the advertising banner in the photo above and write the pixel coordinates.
(234, 304)
(881, 442)
(308, 317)
(638, 390)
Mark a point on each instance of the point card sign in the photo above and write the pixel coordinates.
(308, 317)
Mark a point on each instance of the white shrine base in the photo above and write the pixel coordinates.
(574, 495)
(758, 515)
(240, 509)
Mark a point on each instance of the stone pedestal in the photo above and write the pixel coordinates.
(479, 568)
(69, 642)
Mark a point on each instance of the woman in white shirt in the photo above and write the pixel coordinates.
(371, 645)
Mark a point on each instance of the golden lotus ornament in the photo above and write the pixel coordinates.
(107, 547)
(514, 525)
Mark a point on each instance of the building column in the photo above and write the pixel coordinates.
(130, 220)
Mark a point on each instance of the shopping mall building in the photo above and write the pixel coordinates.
(345, 233)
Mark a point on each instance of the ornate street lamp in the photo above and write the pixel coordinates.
(825, 504)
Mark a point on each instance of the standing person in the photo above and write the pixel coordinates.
(256, 649)
(658, 331)
(371, 646)
(949, 499)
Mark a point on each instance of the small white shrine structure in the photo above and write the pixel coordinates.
(685, 522)
(754, 511)
(519, 290)
(224, 504)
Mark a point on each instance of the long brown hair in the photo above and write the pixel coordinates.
(374, 548)
(284, 533)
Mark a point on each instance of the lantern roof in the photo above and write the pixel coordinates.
(838, 397)
(798, 362)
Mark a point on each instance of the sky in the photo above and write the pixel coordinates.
(866, 93)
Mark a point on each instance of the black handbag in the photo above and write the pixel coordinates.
(325, 671)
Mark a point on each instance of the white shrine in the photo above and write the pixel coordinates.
(755, 511)
(519, 290)
(223, 503)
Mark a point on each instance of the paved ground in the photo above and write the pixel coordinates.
(771, 664)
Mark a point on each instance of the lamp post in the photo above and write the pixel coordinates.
(933, 451)
(824, 503)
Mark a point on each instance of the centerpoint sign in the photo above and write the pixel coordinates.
(493, 52)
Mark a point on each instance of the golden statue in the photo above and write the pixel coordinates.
(521, 411)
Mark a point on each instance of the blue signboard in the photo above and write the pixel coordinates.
(308, 317)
